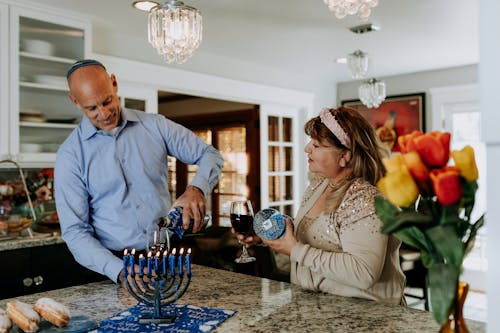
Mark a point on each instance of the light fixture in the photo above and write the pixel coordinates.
(145, 6)
(372, 93)
(342, 8)
(358, 64)
(174, 30)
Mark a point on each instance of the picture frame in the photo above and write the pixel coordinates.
(397, 115)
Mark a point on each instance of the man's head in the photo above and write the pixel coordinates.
(94, 92)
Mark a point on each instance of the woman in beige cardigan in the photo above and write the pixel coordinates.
(337, 246)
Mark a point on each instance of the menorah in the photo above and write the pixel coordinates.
(164, 283)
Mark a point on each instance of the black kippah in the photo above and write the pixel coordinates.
(82, 63)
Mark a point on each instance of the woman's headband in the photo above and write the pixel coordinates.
(328, 119)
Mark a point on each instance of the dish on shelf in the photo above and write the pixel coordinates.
(37, 46)
(31, 147)
(50, 79)
(30, 112)
(62, 120)
(33, 119)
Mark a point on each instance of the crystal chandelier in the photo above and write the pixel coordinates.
(358, 64)
(174, 30)
(372, 93)
(342, 8)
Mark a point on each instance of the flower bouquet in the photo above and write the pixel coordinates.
(428, 205)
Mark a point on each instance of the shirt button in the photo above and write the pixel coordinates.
(144, 231)
(137, 206)
(123, 160)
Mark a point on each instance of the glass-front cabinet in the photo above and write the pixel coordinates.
(42, 46)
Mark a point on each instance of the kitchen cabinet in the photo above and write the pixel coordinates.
(42, 44)
(35, 269)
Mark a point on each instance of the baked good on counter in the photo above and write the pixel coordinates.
(53, 311)
(5, 323)
(23, 315)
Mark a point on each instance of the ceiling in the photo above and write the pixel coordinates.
(304, 37)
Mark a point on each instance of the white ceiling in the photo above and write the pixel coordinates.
(304, 37)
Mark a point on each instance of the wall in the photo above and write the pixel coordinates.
(416, 83)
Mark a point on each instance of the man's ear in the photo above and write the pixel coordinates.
(73, 100)
(114, 82)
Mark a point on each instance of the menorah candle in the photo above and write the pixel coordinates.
(164, 263)
(149, 263)
(131, 261)
(141, 264)
(157, 262)
(179, 261)
(125, 261)
(188, 262)
(171, 258)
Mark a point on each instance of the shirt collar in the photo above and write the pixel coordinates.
(89, 130)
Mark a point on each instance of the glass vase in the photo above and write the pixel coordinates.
(456, 321)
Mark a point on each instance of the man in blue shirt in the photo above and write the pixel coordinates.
(111, 173)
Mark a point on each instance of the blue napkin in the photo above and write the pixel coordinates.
(190, 318)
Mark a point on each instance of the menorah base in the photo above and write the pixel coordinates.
(168, 319)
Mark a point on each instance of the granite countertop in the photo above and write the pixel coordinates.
(263, 306)
(39, 239)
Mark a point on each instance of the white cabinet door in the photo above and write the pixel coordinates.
(42, 47)
(4, 81)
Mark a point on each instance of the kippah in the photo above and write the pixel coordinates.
(82, 63)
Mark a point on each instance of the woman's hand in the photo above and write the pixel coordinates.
(285, 243)
(247, 240)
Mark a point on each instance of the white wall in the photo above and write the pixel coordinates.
(489, 72)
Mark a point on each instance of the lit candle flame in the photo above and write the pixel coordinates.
(181, 252)
(125, 252)
(141, 256)
(149, 254)
(189, 251)
(157, 254)
(173, 252)
(165, 253)
(133, 252)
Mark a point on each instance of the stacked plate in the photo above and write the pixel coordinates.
(32, 115)
(37, 46)
(54, 80)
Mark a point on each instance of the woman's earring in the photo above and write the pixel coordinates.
(342, 164)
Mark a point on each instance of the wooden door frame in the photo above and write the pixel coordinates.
(249, 118)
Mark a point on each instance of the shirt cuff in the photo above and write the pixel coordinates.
(113, 269)
(298, 252)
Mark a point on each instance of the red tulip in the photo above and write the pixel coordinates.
(434, 148)
(446, 184)
(407, 143)
(416, 166)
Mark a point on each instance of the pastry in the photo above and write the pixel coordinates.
(23, 315)
(5, 323)
(53, 311)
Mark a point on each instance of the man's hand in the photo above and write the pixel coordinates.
(193, 205)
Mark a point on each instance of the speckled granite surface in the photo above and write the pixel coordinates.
(263, 306)
(25, 242)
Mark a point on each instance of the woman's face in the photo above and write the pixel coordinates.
(323, 158)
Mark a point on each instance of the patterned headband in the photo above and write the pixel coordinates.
(328, 119)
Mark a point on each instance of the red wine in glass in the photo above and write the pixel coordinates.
(242, 224)
(241, 216)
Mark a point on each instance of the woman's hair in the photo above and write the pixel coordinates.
(366, 148)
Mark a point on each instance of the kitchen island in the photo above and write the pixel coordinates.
(262, 305)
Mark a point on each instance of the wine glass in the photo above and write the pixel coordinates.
(241, 216)
(158, 239)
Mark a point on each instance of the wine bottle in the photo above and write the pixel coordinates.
(173, 221)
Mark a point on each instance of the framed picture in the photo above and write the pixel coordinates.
(397, 115)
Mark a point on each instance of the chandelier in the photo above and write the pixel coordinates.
(342, 8)
(358, 64)
(174, 30)
(372, 93)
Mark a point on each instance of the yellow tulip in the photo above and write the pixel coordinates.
(399, 187)
(394, 163)
(466, 163)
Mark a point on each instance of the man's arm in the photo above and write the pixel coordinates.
(73, 211)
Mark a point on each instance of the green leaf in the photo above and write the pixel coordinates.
(385, 209)
(474, 229)
(404, 220)
(447, 244)
(414, 237)
(427, 259)
(443, 281)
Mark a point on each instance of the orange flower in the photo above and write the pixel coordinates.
(416, 166)
(446, 184)
(407, 143)
(434, 148)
